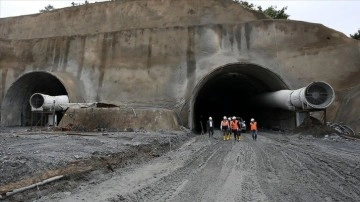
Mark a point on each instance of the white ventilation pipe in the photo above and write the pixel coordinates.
(42, 102)
(316, 95)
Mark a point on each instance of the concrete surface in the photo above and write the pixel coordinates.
(172, 54)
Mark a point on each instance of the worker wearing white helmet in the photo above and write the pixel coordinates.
(228, 136)
(210, 127)
(224, 127)
(253, 128)
(235, 128)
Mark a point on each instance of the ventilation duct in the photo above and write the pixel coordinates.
(41, 102)
(316, 95)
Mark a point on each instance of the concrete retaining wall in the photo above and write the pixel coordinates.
(160, 64)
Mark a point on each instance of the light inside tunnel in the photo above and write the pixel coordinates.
(228, 91)
(16, 110)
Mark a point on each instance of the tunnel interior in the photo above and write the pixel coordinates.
(228, 91)
(16, 109)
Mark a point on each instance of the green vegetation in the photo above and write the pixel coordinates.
(47, 9)
(271, 11)
(356, 35)
(79, 4)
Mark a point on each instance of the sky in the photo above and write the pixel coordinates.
(341, 15)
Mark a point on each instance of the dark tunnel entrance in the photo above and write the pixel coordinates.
(16, 110)
(228, 91)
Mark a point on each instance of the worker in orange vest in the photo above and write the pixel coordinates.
(224, 127)
(253, 128)
(235, 128)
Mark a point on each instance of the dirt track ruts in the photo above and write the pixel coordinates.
(276, 167)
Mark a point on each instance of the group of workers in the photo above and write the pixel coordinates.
(233, 126)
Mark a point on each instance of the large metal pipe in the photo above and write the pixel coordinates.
(42, 102)
(316, 95)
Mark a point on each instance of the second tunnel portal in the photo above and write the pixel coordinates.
(16, 110)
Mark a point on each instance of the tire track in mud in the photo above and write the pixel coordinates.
(241, 183)
(225, 175)
(268, 177)
(325, 171)
(166, 187)
(228, 176)
(222, 171)
(328, 170)
(310, 174)
(101, 186)
(273, 168)
(250, 188)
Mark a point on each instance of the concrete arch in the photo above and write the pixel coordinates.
(15, 109)
(228, 91)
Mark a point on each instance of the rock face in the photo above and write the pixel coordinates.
(195, 58)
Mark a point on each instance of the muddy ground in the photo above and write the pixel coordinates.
(140, 166)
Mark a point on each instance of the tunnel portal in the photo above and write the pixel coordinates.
(16, 109)
(228, 91)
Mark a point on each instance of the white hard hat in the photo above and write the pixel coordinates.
(229, 118)
(234, 117)
(210, 118)
(224, 117)
(252, 119)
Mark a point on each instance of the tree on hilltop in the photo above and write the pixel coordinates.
(356, 35)
(79, 4)
(47, 9)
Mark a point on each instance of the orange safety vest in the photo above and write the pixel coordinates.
(253, 125)
(234, 125)
(224, 122)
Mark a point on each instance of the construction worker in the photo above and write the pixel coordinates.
(228, 136)
(239, 130)
(253, 128)
(210, 127)
(235, 128)
(224, 127)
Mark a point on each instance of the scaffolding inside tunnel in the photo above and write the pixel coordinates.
(47, 118)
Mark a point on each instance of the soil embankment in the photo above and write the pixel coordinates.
(31, 157)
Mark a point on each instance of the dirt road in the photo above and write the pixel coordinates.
(276, 167)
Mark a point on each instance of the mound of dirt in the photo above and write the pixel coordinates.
(312, 126)
(30, 157)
